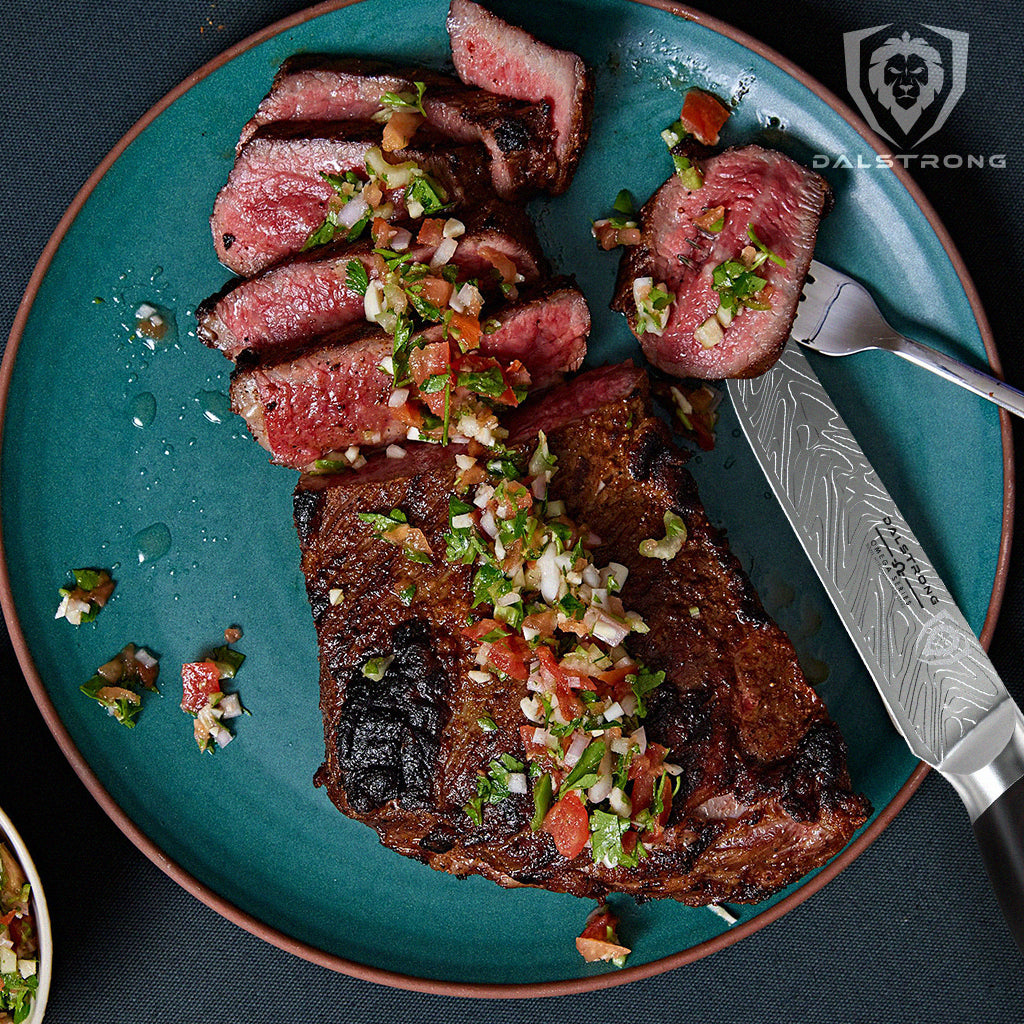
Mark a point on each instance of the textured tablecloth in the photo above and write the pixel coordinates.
(909, 932)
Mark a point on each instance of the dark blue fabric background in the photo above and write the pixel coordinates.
(910, 932)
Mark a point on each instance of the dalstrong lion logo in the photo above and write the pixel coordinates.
(906, 84)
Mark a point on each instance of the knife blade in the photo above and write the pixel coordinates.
(935, 680)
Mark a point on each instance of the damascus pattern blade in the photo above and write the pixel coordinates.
(934, 677)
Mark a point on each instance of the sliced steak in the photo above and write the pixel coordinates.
(334, 395)
(764, 794)
(756, 188)
(276, 196)
(518, 136)
(507, 60)
(293, 302)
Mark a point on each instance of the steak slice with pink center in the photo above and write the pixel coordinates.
(518, 135)
(290, 303)
(334, 394)
(276, 196)
(756, 190)
(507, 60)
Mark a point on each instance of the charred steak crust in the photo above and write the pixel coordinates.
(764, 794)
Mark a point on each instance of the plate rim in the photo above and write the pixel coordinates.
(391, 978)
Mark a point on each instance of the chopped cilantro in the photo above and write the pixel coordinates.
(492, 788)
(542, 795)
(606, 832)
(642, 684)
(356, 277)
(584, 774)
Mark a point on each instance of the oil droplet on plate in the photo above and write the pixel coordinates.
(143, 409)
(216, 405)
(153, 542)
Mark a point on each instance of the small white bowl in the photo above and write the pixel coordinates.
(42, 917)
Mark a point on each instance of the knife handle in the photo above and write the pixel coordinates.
(1000, 834)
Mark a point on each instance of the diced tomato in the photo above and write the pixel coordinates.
(507, 656)
(567, 823)
(482, 628)
(601, 924)
(429, 361)
(703, 116)
(399, 130)
(431, 232)
(645, 769)
(382, 232)
(408, 414)
(466, 330)
(543, 622)
(436, 290)
(506, 269)
(198, 680)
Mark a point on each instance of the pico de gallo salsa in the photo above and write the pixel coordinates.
(19, 946)
(551, 619)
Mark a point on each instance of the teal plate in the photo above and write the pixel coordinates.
(123, 454)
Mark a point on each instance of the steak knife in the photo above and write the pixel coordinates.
(935, 679)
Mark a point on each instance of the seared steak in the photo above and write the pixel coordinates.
(752, 190)
(293, 302)
(764, 795)
(518, 136)
(334, 394)
(276, 195)
(507, 60)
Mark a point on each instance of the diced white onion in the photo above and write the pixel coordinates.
(613, 712)
(373, 300)
(529, 633)
(444, 252)
(337, 595)
(400, 239)
(26, 967)
(580, 742)
(628, 703)
(517, 782)
(222, 737)
(591, 576)
(462, 522)
(531, 708)
(465, 461)
(542, 737)
(467, 299)
(600, 789)
(394, 451)
(398, 398)
(620, 803)
(620, 745)
(453, 228)
(479, 677)
(230, 706)
(513, 597)
(353, 211)
(639, 737)
(487, 523)
(144, 658)
(550, 577)
(387, 364)
(556, 508)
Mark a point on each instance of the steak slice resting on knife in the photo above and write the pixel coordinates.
(715, 774)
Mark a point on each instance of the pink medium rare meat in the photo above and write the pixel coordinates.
(334, 394)
(518, 135)
(752, 200)
(293, 302)
(507, 60)
(277, 195)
